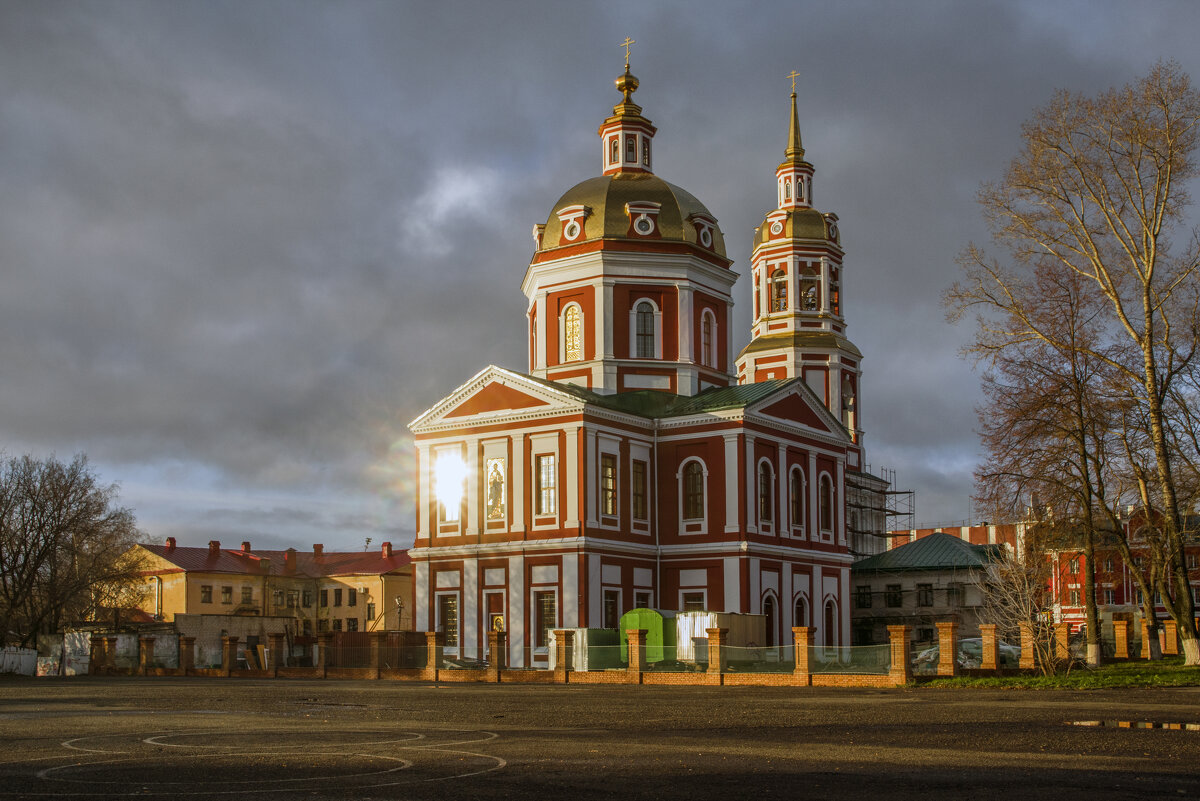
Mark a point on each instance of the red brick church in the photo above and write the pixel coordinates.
(638, 463)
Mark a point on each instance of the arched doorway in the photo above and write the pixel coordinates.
(772, 620)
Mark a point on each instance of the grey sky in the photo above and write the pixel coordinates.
(243, 244)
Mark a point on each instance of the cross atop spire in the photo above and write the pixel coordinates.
(793, 75)
(625, 44)
(795, 149)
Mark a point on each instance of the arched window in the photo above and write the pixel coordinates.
(572, 334)
(707, 324)
(787, 188)
(766, 496)
(778, 291)
(631, 149)
(796, 498)
(800, 612)
(831, 629)
(693, 491)
(614, 150)
(825, 499)
(810, 295)
(645, 330)
(772, 622)
(646, 153)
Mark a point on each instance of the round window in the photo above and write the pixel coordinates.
(833, 231)
(777, 228)
(705, 237)
(643, 225)
(572, 230)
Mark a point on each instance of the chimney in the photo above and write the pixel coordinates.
(289, 560)
(245, 546)
(387, 550)
(317, 549)
(170, 544)
(214, 547)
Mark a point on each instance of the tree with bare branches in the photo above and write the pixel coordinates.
(62, 537)
(1098, 191)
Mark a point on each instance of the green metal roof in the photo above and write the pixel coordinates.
(936, 552)
(657, 405)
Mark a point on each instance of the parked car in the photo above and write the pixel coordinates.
(970, 655)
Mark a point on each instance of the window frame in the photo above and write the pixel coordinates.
(777, 282)
(639, 471)
(545, 486)
(567, 340)
(608, 485)
(693, 494)
(893, 595)
(797, 489)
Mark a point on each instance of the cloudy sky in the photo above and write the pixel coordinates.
(243, 244)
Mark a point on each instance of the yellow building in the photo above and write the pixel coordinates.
(321, 591)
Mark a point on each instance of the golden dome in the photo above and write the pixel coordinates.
(800, 224)
(606, 197)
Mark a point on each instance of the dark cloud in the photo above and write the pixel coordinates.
(244, 244)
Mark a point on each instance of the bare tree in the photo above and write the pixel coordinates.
(61, 542)
(1018, 597)
(1096, 192)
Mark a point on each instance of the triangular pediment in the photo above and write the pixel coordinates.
(495, 394)
(796, 405)
(794, 408)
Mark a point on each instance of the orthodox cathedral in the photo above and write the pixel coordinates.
(639, 462)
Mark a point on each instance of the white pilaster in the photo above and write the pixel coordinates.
(470, 613)
(839, 508)
(543, 332)
(572, 478)
(517, 471)
(781, 498)
(748, 475)
(570, 586)
(422, 595)
(604, 328)
(755, 586)
(474, 479)
(731, 483)
(591, 478)
(516, 611)
(824, 284)
(422, 499)
(733, 585)
(686, 344)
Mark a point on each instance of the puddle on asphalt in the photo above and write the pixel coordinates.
(1135, 724)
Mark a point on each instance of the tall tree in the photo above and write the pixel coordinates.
(61, 541)
(1097, 191)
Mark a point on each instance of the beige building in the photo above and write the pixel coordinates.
(319, 590)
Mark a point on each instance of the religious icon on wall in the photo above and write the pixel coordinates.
(495, 489)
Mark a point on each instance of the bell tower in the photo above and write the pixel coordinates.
(799, 328)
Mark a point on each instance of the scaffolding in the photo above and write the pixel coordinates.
(875, 508)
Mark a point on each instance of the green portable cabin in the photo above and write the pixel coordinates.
(658, 635)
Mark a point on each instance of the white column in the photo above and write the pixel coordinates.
(516, 611)
(590, 478)
(543, 331)
(421, 593)
(422, 499)
(824, 284)
(813, 524)
(755, 587)
(571, 474)
(748, 482)
(686, 345)
(470, 612)
(787, 601)
(731, 483)
(844, 612)
(816, 606)
(733, 585)
(781, 498)
(604, 323)
(516, 474)
(595, 592)
(474, 479)
(840, 507)
(570, 591)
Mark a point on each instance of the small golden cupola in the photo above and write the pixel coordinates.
(626, 135)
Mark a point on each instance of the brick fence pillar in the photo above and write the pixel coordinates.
(1121, 636)
(802, 635)
(278, 656)
(564, 648)
(947, 648)
(637, 653)
(378, 645)
(1028, 649)
(496, 655)
(1146, 652)
(325, 652)
(433, 655)
(1170, 638)
(991, 647)
(1062, 640)
(187, 654)
(110, 651)
(228, 654)
(95, 654)
(718, 657)
(898, 639)
(145, 654)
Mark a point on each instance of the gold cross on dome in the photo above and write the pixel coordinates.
(625, 44)
(793, 75)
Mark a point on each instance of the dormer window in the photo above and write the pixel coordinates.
(643, 217)
(572, 218)
(704, 226)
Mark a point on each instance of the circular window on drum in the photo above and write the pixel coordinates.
(777, 228)
(572, 230)
(643, 225)
(706, 237)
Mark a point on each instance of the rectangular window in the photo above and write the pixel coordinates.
(293, 599)
(324, 597)
(924, 595)
(1074, 566)
(545, 616)
(1191, 561)
(608, 484)
(322, 625)
(449, 471)
(227, 595)
(693, 601)
(307, 628)
(352, 597)
(306, 599)
(1108, 565)
(1110, 597)
(247, 595)
(862, 596)
(547, 484)
(337, 624)
(337, 597)
(370, 611)
(1074, 597)
(448, 619)
(277, 597)
(206, 593)
(895, 599)
(351, 624)
(612, 609)
(641, 600)
(638, 480)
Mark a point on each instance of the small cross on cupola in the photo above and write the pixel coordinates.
(626, 135)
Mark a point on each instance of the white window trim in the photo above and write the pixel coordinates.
(807, 609)
(658, 335)
(765, 526)
(562, 334)
(703, 519)
(689, 590)
(533, 612)
(714, 358)
(606, 448)
(798, 529)
(827, 533)
(437, 608)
